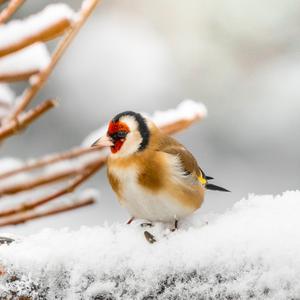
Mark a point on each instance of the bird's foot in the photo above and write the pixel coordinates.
(175, 226)
(147, 224)
(149, 237)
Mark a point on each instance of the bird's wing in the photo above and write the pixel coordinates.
(188, 162)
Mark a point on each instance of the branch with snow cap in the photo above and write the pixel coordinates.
(23, 64)
(169, 121)
(46, 25)
(42, 77)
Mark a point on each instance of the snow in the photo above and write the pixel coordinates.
(7, 97)
(250, 251)
(187, 110)
(6, 94)
(32, 58)
(17, 30)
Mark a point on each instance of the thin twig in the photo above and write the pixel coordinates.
(21, 76)
(32, 215)
(24, 120)
(78, 180)
(62, 46)
(11, 8)
(48, 160)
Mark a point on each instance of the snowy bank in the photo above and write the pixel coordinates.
(251, 251)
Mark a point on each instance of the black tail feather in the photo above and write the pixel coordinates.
(208, 178)
(213, 187)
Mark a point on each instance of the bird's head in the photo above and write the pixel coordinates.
(127, 133)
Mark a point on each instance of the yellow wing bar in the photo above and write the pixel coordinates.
(202, 179)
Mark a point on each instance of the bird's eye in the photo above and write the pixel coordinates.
(120, 135)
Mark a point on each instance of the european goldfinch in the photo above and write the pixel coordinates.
(155, 177)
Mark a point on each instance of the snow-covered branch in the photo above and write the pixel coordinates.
(24, 56)
(23, 64)
(250, 252)
(46, 25)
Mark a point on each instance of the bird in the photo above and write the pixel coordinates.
(153, 175)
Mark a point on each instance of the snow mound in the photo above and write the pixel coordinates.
(186, 110)
(251, 251)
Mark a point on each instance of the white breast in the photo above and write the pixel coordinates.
(144, 204)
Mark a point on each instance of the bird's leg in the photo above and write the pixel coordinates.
(175, 226)
(130, 221)
(147, 224)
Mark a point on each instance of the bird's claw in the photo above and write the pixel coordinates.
(146, 225)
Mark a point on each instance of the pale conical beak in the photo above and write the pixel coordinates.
(104, 141)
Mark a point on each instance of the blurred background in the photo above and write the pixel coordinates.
(240, 58)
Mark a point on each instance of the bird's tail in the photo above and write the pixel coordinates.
(210, 186)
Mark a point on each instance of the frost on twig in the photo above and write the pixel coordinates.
(251, 251)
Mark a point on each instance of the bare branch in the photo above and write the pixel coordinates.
(32, 215)
(21, 76)
(24, 120)
(12, 7)
(62, 46)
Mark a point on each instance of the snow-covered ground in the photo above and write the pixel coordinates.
(251, 251)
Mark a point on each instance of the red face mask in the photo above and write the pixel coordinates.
(117, 131)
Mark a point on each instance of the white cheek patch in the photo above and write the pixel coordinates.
(130, 146)
(130, 122)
